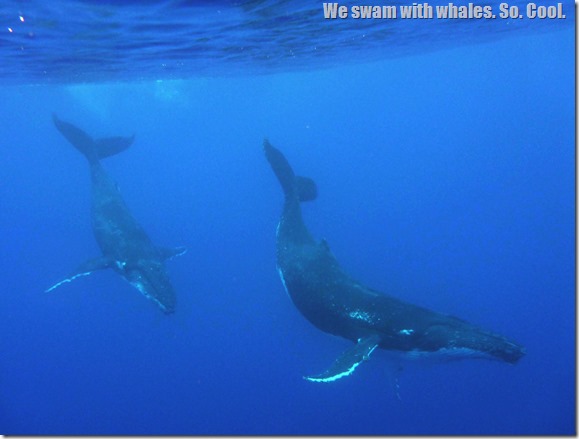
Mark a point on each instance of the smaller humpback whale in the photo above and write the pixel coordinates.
(125, 246)
(337, 304)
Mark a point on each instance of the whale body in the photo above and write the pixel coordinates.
(337, 304)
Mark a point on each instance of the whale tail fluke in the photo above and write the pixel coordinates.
(293, 185)
(92, 149)
(307, 189)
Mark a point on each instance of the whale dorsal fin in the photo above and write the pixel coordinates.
(346, 363)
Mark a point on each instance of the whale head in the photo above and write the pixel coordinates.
(151, 279)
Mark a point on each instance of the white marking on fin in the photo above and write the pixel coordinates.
(406, 331)
(283, 281)
(344, 373)
(370, 351)
(70, 279)
(335, 377)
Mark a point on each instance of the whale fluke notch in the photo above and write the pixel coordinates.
(304, 187)
(110, 146)
(92, 149)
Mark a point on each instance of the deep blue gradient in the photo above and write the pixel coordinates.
(445, 179)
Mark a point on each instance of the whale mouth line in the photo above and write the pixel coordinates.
(448, 354)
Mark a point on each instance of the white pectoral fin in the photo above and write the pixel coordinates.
(346, 363)
(84, 269)
(171, 252)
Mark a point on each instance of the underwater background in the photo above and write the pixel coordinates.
(446, 177)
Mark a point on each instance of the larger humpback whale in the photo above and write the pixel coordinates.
(335, 303)
(126, 247)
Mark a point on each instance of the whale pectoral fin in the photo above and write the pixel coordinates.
(167, 253)
(346, 363)
(85, 269)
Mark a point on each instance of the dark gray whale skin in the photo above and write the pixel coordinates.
(337, 304)
(125, 246)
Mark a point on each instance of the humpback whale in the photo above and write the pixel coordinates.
(337, 304)
(125, 246)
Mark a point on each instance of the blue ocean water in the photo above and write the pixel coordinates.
(446, 177)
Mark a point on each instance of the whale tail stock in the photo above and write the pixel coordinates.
(293, 185)
(92, 149)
